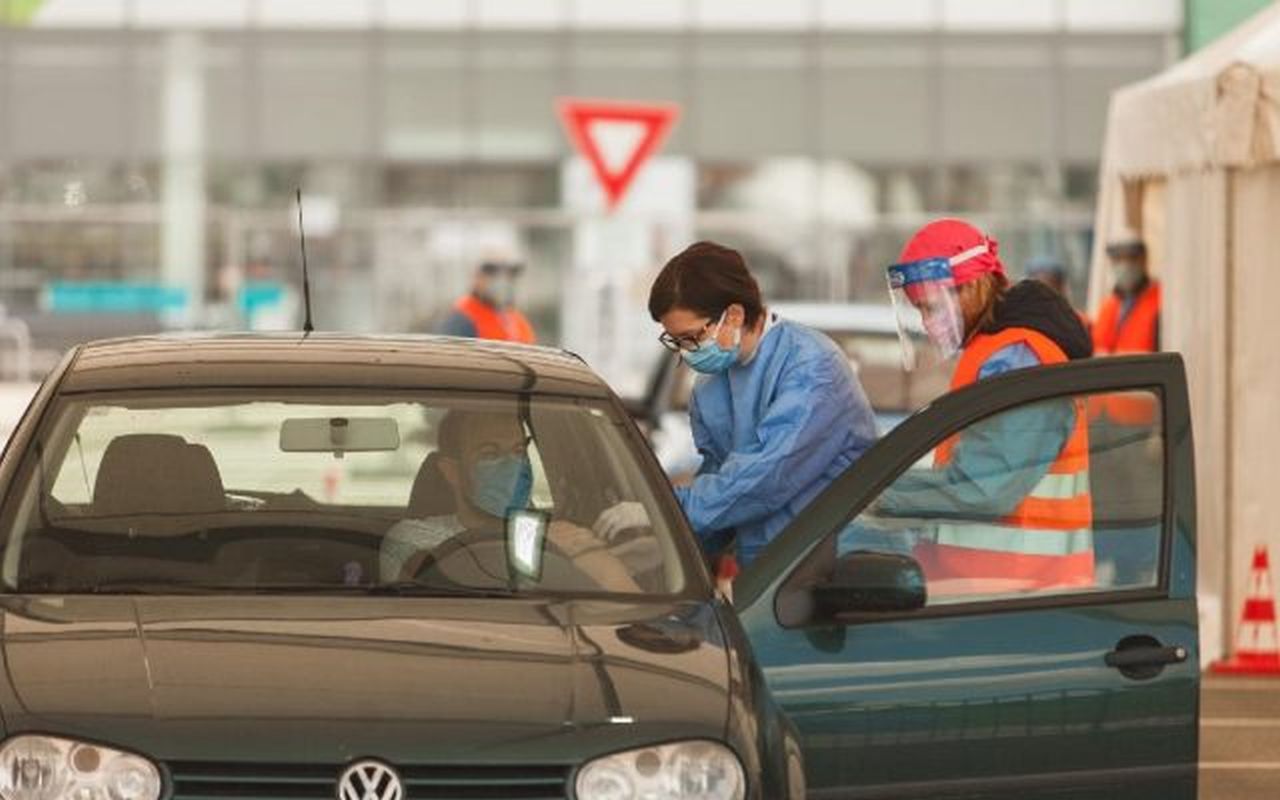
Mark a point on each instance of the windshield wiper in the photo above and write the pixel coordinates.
(396, 589)
(136, 587)
(417, 589)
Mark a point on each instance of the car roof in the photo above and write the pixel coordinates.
(840, 317)
(328, 360)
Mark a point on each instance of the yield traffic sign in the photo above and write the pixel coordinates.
(616, 138)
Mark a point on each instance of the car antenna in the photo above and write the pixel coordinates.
(307, 327)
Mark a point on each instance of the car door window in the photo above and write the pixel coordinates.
(1060, 496)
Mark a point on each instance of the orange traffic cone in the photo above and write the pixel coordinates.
(1257, 643)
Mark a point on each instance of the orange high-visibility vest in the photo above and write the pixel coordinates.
(507, 325)
(1047, 540)
(1138, 333)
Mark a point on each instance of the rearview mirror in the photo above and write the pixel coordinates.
(865, 581)
(339, 435)
(526, 539)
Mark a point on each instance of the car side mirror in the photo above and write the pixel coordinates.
(869, 582)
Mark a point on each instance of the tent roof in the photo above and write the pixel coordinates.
(1220, 107)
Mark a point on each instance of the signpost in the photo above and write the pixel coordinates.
(616, 138)
(632, 208)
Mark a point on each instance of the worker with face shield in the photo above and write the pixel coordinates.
(954, 302)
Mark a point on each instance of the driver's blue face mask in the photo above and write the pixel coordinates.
(501, 484)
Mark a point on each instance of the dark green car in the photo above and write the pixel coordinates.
(373, 569)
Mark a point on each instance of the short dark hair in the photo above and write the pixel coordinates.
(449, 433)
(458, 424)
(706, 278)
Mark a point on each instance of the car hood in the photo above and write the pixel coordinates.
(410, 680)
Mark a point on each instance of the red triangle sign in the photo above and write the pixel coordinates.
(616, 138)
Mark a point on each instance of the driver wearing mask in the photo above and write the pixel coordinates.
(484, 461)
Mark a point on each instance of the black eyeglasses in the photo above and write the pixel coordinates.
(688, 343)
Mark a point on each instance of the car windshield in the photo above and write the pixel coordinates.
(337, 492)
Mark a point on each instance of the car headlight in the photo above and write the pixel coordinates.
(50, 768)
(695, 770)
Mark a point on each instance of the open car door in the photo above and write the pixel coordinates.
(905, 624)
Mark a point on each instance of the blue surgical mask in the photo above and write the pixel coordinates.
(500, 485)
(710, 358)
(503, 291)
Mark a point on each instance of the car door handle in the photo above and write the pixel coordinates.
(1146, 657)
(1143, 657)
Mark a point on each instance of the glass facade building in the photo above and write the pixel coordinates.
(161, 143)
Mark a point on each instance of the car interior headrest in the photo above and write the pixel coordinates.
(156, 473)
(431, 495)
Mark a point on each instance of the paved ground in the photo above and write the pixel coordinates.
(1240, 739)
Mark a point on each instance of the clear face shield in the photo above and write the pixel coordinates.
(927, 307)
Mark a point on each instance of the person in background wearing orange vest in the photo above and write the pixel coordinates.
(1010, 493)
(488, 312)
(1128, 322)
(1129, 319)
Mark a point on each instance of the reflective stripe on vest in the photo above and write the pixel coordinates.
(1016, 540)
(491, 323)
(1047, 539)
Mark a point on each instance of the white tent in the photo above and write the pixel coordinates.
(1192, 161)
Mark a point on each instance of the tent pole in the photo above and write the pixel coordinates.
(1228, 422)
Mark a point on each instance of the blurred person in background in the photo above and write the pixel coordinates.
(1050, 271)
(1129, 318)
(1128, 322)
(951, 284)
(488, 311)
(777, 413)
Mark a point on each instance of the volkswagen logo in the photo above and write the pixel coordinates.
(370, 780)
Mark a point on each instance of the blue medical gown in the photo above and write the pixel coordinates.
(773, 433)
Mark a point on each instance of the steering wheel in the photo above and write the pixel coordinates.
(484, 555)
